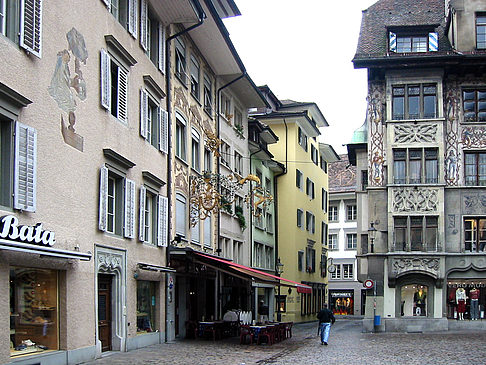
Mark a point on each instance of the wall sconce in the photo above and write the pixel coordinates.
(177, 239)
(372, 236)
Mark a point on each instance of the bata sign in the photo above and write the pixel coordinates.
(10, 229)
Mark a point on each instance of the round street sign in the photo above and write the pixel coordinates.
(368, 284)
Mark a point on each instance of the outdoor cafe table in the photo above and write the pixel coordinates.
(215, 328)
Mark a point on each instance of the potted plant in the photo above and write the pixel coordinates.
(240, 217)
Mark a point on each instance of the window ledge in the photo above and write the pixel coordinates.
(154, 180)
(180, 159)
(421, 120)
(117, 47)
(155, 88)
(116, 157)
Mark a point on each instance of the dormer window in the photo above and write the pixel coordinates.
(413, 42)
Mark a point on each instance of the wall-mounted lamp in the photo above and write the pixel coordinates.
(372, 236)
(177, 239)
(279, 267)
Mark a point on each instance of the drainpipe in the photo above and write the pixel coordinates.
(168, 93)
(251, 215)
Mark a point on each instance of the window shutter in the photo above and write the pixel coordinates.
(105, 80)
(393, 42)
(143, 113)
(107, 3)
(161, 47)
(122, 94)
(132, 17)
(433, 42)
(163, 130)
(129, 224)
(143, 25)
(141, 226)
(31, 26)
(103, 210)
(162, 237)
(25, 168)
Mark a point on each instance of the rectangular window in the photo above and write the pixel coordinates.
(196, 151)
(415, 166)
(336, 275)
(225, 152)
(348, 271)
(238, 120)
(208, 160)
(310, 222)
(114, 81)
(351, 212)
(333, 213)
(259, 218)
(400, 233)
(181, 215)
(300, 215)
(207, 232)
(310, 260)
(412, 44)
(208, 95)
(238, 164)
(474, 105)
(150, 221)
(302, 139)
(351, 241)
(333, 242)
(269, 223)
(414, 101)
(314, 155)
(155, 40)
(226, 107)
(324, 233)
(119, 9)
(475, 168)
(268, 186)
(480, 31)
(431, 233)
(323, 164)
(324, 200)
(146, 306)
(474, 234)
(180, 60)
(180, 137)
(195, 81)
(416, 233)
(309, 188)
(364, 179)
(115, 204)
(34, 310)
(299, 178)
(300, 260)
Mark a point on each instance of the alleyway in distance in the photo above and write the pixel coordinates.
(347, 345)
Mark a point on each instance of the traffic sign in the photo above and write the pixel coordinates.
(368, 284)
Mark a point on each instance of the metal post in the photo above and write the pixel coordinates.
(279, 313)
(375, 327)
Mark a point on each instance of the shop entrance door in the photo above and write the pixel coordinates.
(104, 311)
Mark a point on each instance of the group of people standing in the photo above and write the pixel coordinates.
(460, 301)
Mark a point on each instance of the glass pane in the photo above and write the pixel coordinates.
(431, 171)
(430, 90)
(404, 44)
(481, 95)
(146, 304)
(482, 117)
(469, 106)
(415, 171)
(419, 44)
(468, 95)
(430, 106)
(469, 117)
(398, 91)
(413, 90)
(398, 107)
(399, 172)
(431, 238)
(482, 234)
(413, 107)
(413, 300)
(416, 233)
(400, 239)
(481, 20)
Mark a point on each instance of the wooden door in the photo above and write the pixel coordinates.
(104, 311)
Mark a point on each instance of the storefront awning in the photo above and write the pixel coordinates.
(151, 267)
(254, 274)
(43, 250)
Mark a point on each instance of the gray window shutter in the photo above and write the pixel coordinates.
(31, 26)
(132, 17)
(122, 94)
(161, 47)
(105, 76)
(162, 237)
(103, 209)
(164, 130)
(393, 42)
(141, 226)
(129, 224)
(433, 42)
(143, 113)
(25, 168)
(143, 25)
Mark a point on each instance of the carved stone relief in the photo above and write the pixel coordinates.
(376, 157)
(473, 137)
(452, 157)
(415, 133)
(181, 178)
(403, 265)
(415, 200)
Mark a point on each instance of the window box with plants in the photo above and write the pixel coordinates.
(240, 217)
(238, 128)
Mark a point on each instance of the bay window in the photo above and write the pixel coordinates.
(415, 166)
(414, 101)
(416, 233)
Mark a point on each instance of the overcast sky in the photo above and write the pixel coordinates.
(303, 50)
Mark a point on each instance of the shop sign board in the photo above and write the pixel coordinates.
(35, 235)
(341, 294)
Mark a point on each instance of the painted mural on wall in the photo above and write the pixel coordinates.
(376, 155)
(65, 90)
(474, 203)
(452, 157)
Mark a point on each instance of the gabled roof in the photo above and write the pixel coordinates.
(386, 15)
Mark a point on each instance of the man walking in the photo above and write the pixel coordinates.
(326, 318)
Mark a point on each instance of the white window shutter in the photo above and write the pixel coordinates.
(103, 209)
(143, 113)
(161, 47)
(132, 17)
(25, 168)
(141, 225)
(393, 42)
(129, 223)
(107, 3)
(143, 25)
(164, 130)
(163, 219)
(433, 42)
(105, 76)
(122, 94)
(31, 26)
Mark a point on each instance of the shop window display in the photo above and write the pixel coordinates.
(342, 303)
(414, 300)
(34, 324)
(466, 299)
(146, 304)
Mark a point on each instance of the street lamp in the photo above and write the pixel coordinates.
(279, 270)
(372, 236)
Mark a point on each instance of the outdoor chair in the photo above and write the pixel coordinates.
(245, 331)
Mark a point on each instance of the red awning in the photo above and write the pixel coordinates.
(257, 274)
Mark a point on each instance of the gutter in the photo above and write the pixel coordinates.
(168, 85)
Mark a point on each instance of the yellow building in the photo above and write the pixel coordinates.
(301, 200)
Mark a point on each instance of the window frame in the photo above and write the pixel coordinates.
(181, 137)
(403, 159)
(354, 241)
(351, 212)
(333, 242)
(479, 26)
(195, 70)
(407, 100)
(195, 150)
(333, 213)
(411, 230)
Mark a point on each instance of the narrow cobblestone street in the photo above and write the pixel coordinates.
(347, 345)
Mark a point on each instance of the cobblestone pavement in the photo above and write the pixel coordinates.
(347, 345)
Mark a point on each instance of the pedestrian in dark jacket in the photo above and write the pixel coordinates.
(326, 318)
